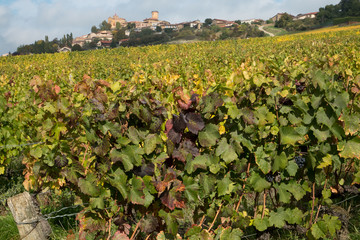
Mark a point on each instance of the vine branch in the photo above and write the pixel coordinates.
(313, 205)
(213, 222)
(264, 206)
(243, 188)
(318, 211)
(136, 228)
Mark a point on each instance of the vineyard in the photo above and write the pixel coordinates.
(209, 140)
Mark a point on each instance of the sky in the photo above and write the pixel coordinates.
(24, 21)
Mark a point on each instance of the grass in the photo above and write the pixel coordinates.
(9, 231)
(276, 31)
(8, 228)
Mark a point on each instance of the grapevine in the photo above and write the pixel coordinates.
(149, 135)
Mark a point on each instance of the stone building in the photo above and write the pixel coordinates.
(116, 19)
(154, 21)
(223, 23)
(306, 15)
(278, 16)
(101, 35)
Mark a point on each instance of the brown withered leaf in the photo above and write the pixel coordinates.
(103, 83)
(100, 95)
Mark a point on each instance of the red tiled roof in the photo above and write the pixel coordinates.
(311, 13)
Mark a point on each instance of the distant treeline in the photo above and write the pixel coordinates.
(45, 46)
(346, 11)
(343, 10)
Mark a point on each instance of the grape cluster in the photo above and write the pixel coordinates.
(269, 177)
(300, 161)
(300, 86)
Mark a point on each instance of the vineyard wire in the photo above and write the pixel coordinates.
(347, 199)
(48, 216)
(251, 235)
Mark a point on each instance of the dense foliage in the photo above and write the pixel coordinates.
(204, 140)
(287, 22)
(345, 8)
(45, 46)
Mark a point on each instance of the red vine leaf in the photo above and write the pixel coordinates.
(174, 137)
(57, 89)
(194, 122)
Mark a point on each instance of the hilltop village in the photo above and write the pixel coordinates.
(117, 31)
(105, 37)
(108, 36)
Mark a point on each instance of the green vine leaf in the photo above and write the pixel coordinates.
(118, 179)
(284, 195)
(137, 195)
(351, 149)
(226, 151)
(326, 161)
(261, 224)
(318, 230)
(258, 183)
(289, 136)
(277, 219)
(225, 186)
(89, 186)
(150, 143)
(209, 136)
(200, 161)
(280, 162)
(294, 216)
(261, 159)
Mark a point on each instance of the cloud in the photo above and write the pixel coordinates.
(24, 21)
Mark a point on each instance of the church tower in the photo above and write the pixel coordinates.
(155, 15)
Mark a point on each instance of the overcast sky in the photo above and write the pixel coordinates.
(24, 21)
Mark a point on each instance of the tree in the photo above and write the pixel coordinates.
(346, 8)
(105, 25)
(120, 34)
(158, 29)
(118, 26)
(349, 8)
(168, 30)
(238, 22)
(131, 26)
(284, 21)
(208, 22)
(76, 47)
(146, 32)
(94, 29)
(328, 13)
(113, 44)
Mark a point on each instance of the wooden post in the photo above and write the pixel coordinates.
(31, 224)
